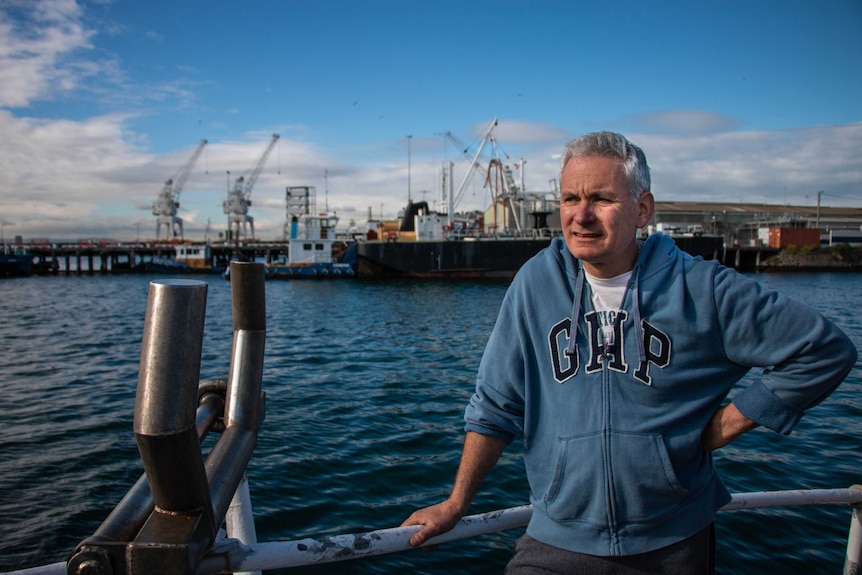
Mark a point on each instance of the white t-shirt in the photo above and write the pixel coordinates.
(607, 297)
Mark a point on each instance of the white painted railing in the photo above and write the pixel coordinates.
(231, 554)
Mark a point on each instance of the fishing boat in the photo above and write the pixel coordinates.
(314, 251)
(16, 265)
(188, 258)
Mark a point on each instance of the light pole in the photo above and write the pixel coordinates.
(819, 195)
(2, 239)
(409, 138)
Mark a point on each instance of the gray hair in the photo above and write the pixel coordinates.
(612, 145)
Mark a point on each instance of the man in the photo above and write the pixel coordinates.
(612, 359)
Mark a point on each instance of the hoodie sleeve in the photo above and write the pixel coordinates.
(803, 355)
(497, 406)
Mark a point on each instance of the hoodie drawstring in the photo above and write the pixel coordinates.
(576, 311)
(636, 310)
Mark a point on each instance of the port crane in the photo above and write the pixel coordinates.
(509, 198)
(168, 201)
(239, 197)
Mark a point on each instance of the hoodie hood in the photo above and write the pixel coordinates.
(657, 247)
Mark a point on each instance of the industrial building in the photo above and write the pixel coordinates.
(748, 224)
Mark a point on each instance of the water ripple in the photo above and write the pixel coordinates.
(366, 385)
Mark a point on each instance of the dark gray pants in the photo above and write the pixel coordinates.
(692, 556)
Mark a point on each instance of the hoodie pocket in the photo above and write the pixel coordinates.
(634, 480)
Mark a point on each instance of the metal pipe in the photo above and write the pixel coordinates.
(233, 556)
(853, 559)
(170, 357)
(226, 464)
(239, 521)
(229, 457)
(126, 519)
(792, 497)
(182, 527)
(167, 394)
(281, 554)
(210, 409)
(248, 300)
(243, 401)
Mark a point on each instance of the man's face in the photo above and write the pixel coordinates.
(599, 216)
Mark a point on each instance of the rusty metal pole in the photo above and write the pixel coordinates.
(182, 527)
(167, 395)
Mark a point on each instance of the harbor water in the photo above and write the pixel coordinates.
(366, 384)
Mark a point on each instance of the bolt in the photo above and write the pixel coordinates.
(90, 567)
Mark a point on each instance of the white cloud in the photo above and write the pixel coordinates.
(34, 50)
(786, 166)
(524, 132)
(684, 122)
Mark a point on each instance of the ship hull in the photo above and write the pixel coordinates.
(492, 258)
(16, 265)
(447, 259)
(329, 270)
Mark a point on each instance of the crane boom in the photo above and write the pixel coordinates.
(239, 198)
(249, 184)
(184, 173)
(475, 163)
(168, 200)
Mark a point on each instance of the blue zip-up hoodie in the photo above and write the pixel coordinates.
(612, 437)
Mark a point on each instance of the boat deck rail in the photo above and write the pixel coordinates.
(234, 555)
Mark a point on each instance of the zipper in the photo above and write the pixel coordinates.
(606, 448)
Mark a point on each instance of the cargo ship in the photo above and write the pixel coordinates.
(424, 247)
(494, 244)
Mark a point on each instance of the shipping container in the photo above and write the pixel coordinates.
(799, 237)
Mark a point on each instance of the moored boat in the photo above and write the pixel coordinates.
(16, 265)
(314, 251)
(188, 259)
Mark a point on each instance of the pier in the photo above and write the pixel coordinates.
(747, 258)
(111, 258)
(93, 257)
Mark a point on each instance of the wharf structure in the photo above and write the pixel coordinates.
(747, 224)
(754, 232)
(90, 258)
(749, 232)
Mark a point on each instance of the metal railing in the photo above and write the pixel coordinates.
(187, 515)
(237, 554)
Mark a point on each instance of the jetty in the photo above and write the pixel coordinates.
(108, 257)
(113, 258)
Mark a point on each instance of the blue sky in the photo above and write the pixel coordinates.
(101, 101)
